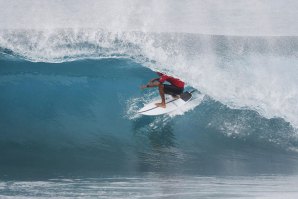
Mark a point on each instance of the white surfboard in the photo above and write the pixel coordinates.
(171, 105)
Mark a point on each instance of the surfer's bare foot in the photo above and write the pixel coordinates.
(162, 105)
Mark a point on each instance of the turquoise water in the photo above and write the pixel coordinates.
(70, 130)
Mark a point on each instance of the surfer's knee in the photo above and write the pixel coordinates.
(161, 88)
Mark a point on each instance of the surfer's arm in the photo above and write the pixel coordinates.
(153, 80)
(151, 84)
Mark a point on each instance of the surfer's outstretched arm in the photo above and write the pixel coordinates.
(155, 79)
(151, 84)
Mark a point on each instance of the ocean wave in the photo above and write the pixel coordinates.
(257, 73)
(81, 116)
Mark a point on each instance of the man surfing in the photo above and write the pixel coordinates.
(175, 88)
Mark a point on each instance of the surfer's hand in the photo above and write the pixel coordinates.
(144, 86)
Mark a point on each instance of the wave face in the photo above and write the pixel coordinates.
(78, 119)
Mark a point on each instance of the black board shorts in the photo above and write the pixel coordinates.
(172, 90)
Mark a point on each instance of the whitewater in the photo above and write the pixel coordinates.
(70, 73)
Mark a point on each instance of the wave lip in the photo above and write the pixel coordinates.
(60, 45)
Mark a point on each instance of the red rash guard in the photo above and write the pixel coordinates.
(174, 81)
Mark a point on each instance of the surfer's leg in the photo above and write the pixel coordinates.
(162, 95)
(172, 90)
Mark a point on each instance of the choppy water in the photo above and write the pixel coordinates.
(156, 186)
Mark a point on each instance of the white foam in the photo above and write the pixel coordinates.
(229, 17)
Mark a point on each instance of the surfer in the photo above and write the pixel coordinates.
(175, 88)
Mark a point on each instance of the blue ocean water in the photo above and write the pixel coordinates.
(69, 128)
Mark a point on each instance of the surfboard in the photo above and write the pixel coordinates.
(172, 104)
